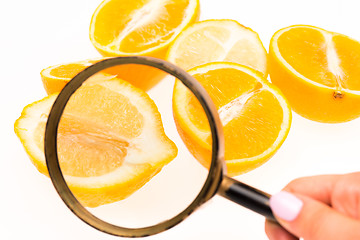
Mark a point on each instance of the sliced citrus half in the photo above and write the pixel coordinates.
(147, 27)
(103, 140)
(318, 72)
(55, 77)
(140, 28)
(218, 41)
(255, 115)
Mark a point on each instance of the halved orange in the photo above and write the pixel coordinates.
(255, 115)
(218, 41)
(54, 78)
(140, 28)
(103, 141)
(146, 27)
(318, 72)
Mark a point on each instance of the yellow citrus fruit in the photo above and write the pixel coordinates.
(103, 142)
(54, 78)
(218, 41)
(318, 71)
(255, 115)
(140, 28)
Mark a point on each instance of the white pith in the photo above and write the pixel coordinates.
(234, 108)
(333, 60)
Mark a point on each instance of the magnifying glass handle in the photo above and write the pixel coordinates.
(247, 196)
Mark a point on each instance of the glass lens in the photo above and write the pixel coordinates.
(122, 149)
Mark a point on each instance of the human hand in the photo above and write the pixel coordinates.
(317, 208)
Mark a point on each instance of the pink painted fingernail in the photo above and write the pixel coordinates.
(285, 205)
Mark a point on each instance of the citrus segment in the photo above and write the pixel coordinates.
(215, 41)
(317, 70)
(255, 116)
(103, 140)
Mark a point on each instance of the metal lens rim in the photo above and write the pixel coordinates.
(216, 168)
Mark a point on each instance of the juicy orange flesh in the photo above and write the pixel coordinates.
(307, 51)
(348, 51)
(67, 70)
(113, 18)
(255, 127)
(94, 133)
(146, 25)
(221, 90)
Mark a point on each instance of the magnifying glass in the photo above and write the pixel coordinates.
(162, 200)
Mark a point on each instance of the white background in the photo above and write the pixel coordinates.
(36, 34)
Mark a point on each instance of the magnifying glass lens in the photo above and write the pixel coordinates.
(121, 154)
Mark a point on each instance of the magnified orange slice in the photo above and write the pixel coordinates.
(103, 142)
(318, 71)
(255, 115)
(218, 41)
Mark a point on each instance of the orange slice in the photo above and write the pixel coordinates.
(255, 116)
(318, 72)
(218, 41)
(127, 27)
(140, 28)
(103, 142)
(54, 78)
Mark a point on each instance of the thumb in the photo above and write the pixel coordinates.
(311, 219)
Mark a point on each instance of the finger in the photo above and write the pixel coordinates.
(275, 232)
(319, 187)
(311, 219)
(346, 195)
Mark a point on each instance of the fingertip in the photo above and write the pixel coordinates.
(275, 232)
(286, 205)
(313, 219)
(316, 187)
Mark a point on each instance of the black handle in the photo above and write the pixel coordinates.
(247, 196)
